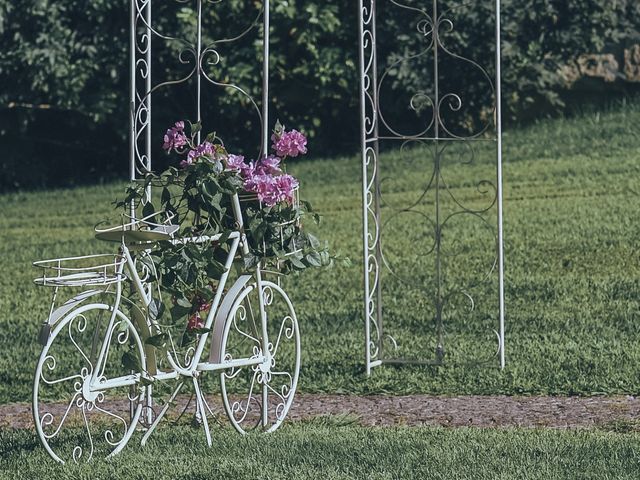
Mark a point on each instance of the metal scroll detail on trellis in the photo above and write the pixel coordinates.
(198, 65)
(437, 205)
(197, 58)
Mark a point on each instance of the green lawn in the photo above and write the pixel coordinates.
(331, 451)
(573, 275)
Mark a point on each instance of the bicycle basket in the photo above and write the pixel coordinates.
(88, 270)
(289, 249)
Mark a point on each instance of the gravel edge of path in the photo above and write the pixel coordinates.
(622, 412)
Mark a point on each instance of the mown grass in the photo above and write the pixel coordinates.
(573, 275)
(311, 451)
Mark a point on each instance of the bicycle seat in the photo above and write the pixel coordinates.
(138, 231)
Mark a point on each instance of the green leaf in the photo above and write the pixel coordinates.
(215, 201)
(250, 261)
(183, 302)
(314, 259)
(278, 129)
(130, 361)
(224, 236)
(214, 269)
(123, 327)
(146, 381)
(195, 128)
(156, 309)
(148, 210)
(200, 331)
(296, 262)
(178, 312)
(166, 196)
(307, 205)
(159, 341)
(258, 228)
(313, 241)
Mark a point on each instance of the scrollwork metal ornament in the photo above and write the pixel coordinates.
(198, 58)
(435, 104)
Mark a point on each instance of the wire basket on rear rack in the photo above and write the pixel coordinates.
(88, 270)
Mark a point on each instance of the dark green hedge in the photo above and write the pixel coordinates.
(64, 72)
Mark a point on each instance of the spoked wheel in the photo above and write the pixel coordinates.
(75, 419)
(258, 397)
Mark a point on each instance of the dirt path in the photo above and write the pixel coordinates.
(476, 411)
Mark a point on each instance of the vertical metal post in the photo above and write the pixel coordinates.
(199, 67)
(436, 158)
(265, 81)
(148, 92)
(265, 146)
(148, 86)
(500, 190)
(132, 96)
(132, 131)
(136, 103)
(377, 189)
(371, 208)
(365, 216)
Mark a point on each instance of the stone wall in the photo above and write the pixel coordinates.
(632, 63)
(623, 65)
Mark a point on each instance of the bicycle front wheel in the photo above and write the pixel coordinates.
(258, 397)
(76, 419)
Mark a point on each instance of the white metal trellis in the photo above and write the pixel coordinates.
(142, 89)
(433, 22)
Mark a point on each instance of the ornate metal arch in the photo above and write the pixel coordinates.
(443, 144)
(199, 64)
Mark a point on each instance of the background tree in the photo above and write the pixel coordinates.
(64, 72)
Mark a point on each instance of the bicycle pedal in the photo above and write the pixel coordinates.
(196, 421)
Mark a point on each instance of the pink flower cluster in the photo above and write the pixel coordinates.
(195, 320)
(205, 149)
(289, 144)
(272, 190)
(265, 178)
(175, 137)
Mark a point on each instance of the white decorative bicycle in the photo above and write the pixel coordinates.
(97, 358)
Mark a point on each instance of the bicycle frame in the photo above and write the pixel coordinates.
(95, 382)
(238, 240)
